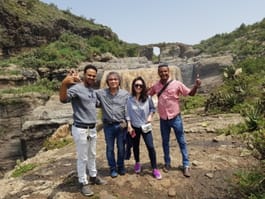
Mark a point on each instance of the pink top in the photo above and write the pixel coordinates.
(168, 102)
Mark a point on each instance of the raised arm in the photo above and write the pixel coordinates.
(197, 84)
(70, 79)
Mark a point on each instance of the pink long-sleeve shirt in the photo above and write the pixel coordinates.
(168, 103)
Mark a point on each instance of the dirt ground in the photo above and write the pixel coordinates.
(214, 160)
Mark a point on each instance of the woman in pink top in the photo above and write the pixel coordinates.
(169, 112)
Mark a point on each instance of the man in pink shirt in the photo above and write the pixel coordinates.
(169, 113)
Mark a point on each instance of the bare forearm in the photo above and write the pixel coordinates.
(193, 90)
(63, 93)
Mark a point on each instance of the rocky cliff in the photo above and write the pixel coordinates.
(27, 120)
(29, 24)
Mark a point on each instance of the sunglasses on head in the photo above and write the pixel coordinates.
(138, 85)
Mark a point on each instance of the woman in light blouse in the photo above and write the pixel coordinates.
(140, 110)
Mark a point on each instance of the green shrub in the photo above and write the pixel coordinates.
(22, 169)
(250, 184)
(43, 86)
(258, 141)
(57, 144)
(192, 102)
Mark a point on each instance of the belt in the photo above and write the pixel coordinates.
(110, 122)
(84, 126)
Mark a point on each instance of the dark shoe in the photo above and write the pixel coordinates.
(121, 171)
(186, 171)
(97, 180)
(166, 168)
(86, 191)
(113, 173)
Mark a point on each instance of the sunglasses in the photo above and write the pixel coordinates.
(138, 85)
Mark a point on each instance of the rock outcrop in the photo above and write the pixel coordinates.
(30, 119)
(22, 29)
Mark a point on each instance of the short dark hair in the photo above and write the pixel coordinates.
(90, 66)
(162, 65)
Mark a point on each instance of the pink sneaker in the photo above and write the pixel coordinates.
(137, 167)
(157, 174)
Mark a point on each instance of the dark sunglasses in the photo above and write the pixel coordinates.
(138, 85)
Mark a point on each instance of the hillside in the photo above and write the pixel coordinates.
(30, 23)
(38, 45)
(245, 41)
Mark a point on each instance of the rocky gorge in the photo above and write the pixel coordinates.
(26, 120)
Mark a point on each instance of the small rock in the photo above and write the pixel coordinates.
(172, 192)
(209, 175)
(195, 163)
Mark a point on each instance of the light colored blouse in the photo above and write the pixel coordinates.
(138, 112)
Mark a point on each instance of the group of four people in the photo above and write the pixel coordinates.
(122, 113)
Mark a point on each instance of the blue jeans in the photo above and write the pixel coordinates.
(115, 132)
(148, 140)
(177, 125)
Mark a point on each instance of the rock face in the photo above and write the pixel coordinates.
(31, 119)
(13, 112)
(19, 31)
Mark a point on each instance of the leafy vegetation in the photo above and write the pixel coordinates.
(22, 169)
(190, 103)
(38, 13)
(246, 41)
(50, 144)
(244, 93)
(69, 50)
(250, 184)
(43, 86)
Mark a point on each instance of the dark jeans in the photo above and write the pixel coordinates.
(115, 132)
(128, 147)
(148, 139)
(177, 125)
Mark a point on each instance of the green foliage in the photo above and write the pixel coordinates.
(234, 129)
(102, 45)
(258, 142)
(38, 13)
(245, 93)
(250, 184)
(192, 102)
(57, 144)
(22, 169)
(43, 86)
(255, 117)
(244, 42)
(243, 82)
(253, 65)
(9, 72)
(69, 50)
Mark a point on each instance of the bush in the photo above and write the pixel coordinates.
(21, 169)
(250, 184)
(57, 144)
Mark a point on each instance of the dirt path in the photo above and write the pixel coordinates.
(214, 159)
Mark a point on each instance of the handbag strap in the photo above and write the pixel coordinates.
(165, 86)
